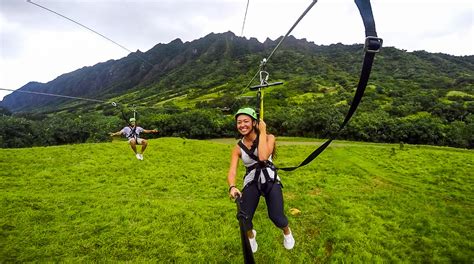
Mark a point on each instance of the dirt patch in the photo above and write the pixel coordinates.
(315, 192)
(328, 248)
(377, 181)
(289, 196)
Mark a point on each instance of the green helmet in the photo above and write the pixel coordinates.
(246, 111)
(132, 120)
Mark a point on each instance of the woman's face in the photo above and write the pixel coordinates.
(244, 124)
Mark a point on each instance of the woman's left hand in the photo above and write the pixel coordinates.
(234, 192)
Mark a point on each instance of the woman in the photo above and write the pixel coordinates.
(255, 149)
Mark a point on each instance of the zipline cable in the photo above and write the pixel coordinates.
(284, 37)
(278, 45)
(245, 18)
(60, 95)
(120, 106)
(88, 28)
(82, 98)
(293, 27)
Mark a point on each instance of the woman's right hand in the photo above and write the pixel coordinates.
(234, 192)
(262, 127)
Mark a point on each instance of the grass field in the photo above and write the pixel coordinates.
(359, 203)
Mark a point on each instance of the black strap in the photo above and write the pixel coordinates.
(372, 46)
(257, 107)
(243, 222)
(250, 152)
(259, 166)
(133, 133)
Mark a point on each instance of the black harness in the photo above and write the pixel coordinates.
(259, 167)
(133, 133)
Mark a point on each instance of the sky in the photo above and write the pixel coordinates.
(38, 45)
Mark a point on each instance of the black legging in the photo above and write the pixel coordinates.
(273, 197)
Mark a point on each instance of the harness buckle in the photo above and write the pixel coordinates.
(373, 44)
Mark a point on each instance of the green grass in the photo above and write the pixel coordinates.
(360, 203)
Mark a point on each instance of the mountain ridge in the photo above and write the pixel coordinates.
(220, 58)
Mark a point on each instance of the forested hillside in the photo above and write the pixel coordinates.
(191, 89)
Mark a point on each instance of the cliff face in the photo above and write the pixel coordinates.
(215, 59)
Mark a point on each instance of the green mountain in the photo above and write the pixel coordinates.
(414, 97)
(200, 69)
(158, 71)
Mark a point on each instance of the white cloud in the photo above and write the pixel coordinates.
(47, 55)
(37, 45)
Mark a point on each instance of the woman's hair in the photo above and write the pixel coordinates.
(274, 152)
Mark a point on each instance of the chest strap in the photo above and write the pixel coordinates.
(259, 167)
(133, 133)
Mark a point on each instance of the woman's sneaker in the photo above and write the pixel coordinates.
(288, 241)
(253, 241)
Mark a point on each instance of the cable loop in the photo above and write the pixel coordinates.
(264, 77)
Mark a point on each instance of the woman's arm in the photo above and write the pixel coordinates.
(234, 162)
(266, 142)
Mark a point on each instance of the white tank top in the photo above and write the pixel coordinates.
(248, 161)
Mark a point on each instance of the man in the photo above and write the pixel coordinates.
(132, 132)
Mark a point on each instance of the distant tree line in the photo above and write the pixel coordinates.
(412, 97)
(444, 125)
(59, 129)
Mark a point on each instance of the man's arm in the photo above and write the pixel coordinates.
(118, 133)
(150, 131)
